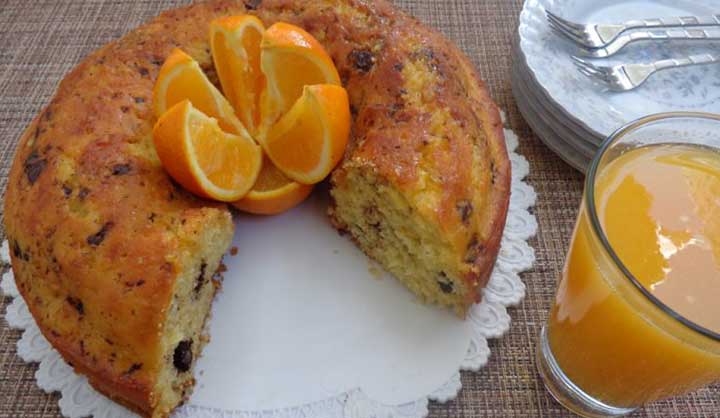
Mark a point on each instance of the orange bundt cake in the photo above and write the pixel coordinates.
(116, 261)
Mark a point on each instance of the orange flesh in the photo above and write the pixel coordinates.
(222, 157)
(289, 84)
(270, 178)
(192, 85)
(241, 85)
(659, 208)
(255, 78)
(306, 136)
(273, 192)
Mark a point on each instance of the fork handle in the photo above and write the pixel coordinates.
(687, 61)
(710, 34)
(673, 22)
(609, 32)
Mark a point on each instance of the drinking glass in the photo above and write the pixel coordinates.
(609, 345)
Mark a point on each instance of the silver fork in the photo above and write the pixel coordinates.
(595, 35)
(629, 76)
(709, 34)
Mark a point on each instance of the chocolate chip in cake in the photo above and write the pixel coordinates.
(67, 190)
(98, 237)
(139, 100)
(133, 368)
(465, 209)
(124, 109)
(135, 283)
(201, 280)
(427, 55)
(17, 251)
(446, 285)
(183, 356)
(143, 71)
(252, 4)
(34, 166)
(38, 131)
(474, 250)
(362, 59)
(120, 169)
(84, 191)
(77, 304)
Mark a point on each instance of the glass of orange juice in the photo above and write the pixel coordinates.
(636, 317)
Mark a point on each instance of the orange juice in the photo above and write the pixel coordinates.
(659, 208)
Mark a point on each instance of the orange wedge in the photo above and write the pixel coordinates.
(202, 158)
(181, 78)
(235, 46)
(273, 192)
(291, 59)
(309, 141)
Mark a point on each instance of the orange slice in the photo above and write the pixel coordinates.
(291, 59)
(273, 192)
(235, 46)
(309, 141)
(202, 158)
(181, 78)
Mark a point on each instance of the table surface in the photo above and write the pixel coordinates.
(41, 40)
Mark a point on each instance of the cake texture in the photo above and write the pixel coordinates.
(116, 262)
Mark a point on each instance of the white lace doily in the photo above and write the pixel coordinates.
(488, 319)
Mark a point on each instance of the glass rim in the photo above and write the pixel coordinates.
(598, 229)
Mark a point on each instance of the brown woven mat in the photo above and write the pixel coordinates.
(41, 40)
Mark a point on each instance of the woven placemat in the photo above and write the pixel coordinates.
(41, 40)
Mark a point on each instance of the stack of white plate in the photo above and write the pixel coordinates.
(573, 114)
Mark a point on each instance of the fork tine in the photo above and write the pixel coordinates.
(596, 73)
(577, 32)
(588, 64)
(563, 32)
(604, 72)
(597, 77)
(589, 70)
(564, 21)
(589, 74)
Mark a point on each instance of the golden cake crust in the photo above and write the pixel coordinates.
(98, 231)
